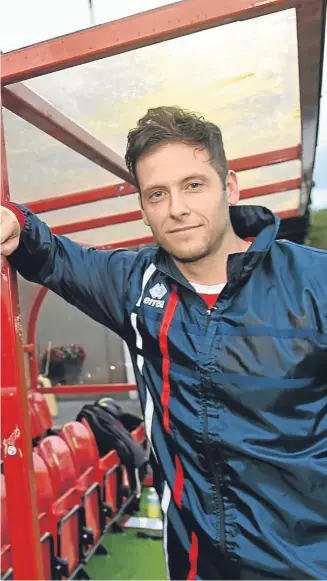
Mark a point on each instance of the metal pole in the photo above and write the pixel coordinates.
(91, 11)
(15, 425)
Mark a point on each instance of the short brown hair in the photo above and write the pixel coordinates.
(166, 124)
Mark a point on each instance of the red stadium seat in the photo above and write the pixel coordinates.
(139, 436)
(44, 499)
(40, 416)
(47, 520)
(35, 421)
(86, 458)
(44, 495)
(117, 490)
(83, 447)
(58, 458)
(109, 477)
(6, 566)
(66, 508)
(108, 466)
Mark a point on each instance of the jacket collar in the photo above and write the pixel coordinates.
(247, 221)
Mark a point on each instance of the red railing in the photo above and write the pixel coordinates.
(98, 42)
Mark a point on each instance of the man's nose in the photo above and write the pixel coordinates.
(178, 205)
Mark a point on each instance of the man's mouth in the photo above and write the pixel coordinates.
(183, 229)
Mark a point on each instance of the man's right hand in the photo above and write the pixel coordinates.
(10, 231)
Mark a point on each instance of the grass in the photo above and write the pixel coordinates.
(317, 236)
(129, 557)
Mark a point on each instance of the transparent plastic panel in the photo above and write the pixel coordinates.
(279, 202)
(269, 174)
(242, 76)
(253, 95)
(110, 234)
(104, 361)
(42, 167)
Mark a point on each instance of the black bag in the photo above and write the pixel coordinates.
(110, 434)
(129, 421)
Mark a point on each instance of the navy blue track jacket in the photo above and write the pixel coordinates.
(234, 397)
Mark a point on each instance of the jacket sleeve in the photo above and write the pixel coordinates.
(92, 280)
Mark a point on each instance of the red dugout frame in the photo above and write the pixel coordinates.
(108, 39)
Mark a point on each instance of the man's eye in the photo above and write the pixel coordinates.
(157, 195)
(194, 185)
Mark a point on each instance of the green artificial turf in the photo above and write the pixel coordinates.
(129, 557)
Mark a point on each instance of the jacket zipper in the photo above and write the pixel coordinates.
(214, 473)
(206, 440)
(217, 486)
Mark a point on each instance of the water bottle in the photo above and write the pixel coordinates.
(153, 504)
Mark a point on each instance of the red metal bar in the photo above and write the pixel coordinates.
(101, 388)
(31, 107)
(136, 214)
(131, 33)
(267, 158)
(288, 214)
(15, 426)
(28, 348)
(79, 198)
(125, 189)
(31, 333)
(275, 188)
(310, 20)
(97, 222)
(134, 242)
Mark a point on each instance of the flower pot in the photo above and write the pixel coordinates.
(73, 371)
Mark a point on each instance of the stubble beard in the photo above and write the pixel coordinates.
(200, 255)
(190, 259)
(197, 256)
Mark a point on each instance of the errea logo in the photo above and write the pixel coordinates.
(157, 292)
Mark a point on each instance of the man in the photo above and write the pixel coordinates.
(229, 345)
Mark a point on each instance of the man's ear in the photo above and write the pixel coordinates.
(144, 218)
(232, 189)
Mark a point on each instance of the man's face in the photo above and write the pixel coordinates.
(183, 200)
